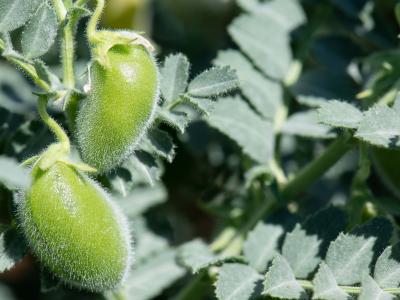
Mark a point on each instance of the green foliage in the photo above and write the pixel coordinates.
(40, 32)
(265, 167)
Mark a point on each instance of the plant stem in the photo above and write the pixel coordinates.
(67, 51)
(60, 9)
(316, 168)
(348, 289)
(68, 55)
(94, 19)
(28, 68)
(52, 124)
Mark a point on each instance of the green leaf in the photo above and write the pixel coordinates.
(174, 76)
(387, 267)
(371, 291)
(380, 126)
(15, 13)
(150, 278)
(306, 124)
(350, 255)
(20, 99)
(196, 255)
(288, 13)
(264, 94)
(12, 175)
(261, 244)
(301, 250)
(265, 42)
(213, 82)
(12, 249)
(139, 199)
(161, 143)
(45, 73)
(234, 118)
(237, 282)
(280, 281)
(147, 243)
(326, 287)
(203, 105)
(40, 32)
(339, 114)
(177, 120)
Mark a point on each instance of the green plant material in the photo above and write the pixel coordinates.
(237, 281)
(14, 14)
(387, 267)
(40, 32)
(12, 175)
(12, 248)
(234, 117)
(264, 94)
(385, 162)
(261, 244)
(339, 114)
(121, 101)
(306, 124)
(75, 230)
(159, 272)
(280, 281)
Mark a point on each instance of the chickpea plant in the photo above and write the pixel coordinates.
(301, 141)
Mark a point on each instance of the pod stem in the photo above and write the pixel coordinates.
(93, 21)
(52, 124)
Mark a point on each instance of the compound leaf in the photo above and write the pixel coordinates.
(371, 291)
(159, 272)
(264, 94)
(40, 32)
(213, 82)
(237, 282)
(387, 267)
(261, 244)
(306, 124)
(255, 35)
(280, 281)
(380, 126)
(326, 287)
(174, 74)
(339, 114)
(233, 117)
(350, 255)
(15, 13)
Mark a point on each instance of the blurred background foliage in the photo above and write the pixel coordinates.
(341, 45)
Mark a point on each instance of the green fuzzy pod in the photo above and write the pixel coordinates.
(75, 230)
(119, 106)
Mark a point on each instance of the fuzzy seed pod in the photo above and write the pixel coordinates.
(75, 230)
(119, 107)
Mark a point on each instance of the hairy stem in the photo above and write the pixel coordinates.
(67, 48)
(348, 289)
(68, 56)
(52, 124)
(60, 9)
(94, 20)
